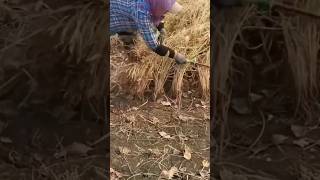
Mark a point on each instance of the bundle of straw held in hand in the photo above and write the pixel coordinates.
(187, 33)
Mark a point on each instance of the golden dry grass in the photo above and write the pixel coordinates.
(189, 34)
(302, 37)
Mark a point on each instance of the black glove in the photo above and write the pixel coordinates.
(160, 26)
(180, 59)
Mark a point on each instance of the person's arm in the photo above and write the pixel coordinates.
(146, 30)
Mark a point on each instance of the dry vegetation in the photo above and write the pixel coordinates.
(188, 33)
(267, 74)
(75, 32)
(52, 69)
(287, 42)
(160, 139)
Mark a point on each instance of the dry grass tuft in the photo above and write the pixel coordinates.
(188, 33)
(302, 37)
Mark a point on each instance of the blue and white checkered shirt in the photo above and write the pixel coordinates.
(133, 15)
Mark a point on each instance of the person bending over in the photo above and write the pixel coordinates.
(128, 17)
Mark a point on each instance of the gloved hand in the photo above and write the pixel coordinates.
(180, 59)
(162, 35)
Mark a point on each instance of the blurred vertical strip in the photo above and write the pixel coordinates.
(213, 52)
(107, 89)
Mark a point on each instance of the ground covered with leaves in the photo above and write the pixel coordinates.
(152, 139)
(268, 146)
(36, 145)
(50, 126)
(267, 65)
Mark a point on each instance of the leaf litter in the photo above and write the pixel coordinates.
(170, 174)
(75, 148)
(299, 131)
(187, 153)
(165, 135)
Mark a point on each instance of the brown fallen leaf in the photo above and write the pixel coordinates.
(5, 140)
(131, 118)
(303, 142)
(124, 150)
(170, 174)
(60, 154)
(187, 153)
(270, 117)
(176, 152)
(186, 118)
(206, 116)
(115, 175)
(166, 149)
(255, 97)
(182, 169)
(279, 139)
(205, 163)
(132, 109)
(78, 148)
(204, 174)
(165, 135)
(241, 106)
(165, 103)
(299, 131)
(156, 152)
(183, 137)
(155, 120)
(204, 104)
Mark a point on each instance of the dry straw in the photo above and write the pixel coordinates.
(187, 33)
(302, 37)
(227, 33)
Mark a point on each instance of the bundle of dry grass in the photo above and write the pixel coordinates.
(63, 51)
(302, 37)
(230, 25)
(188, 33)
(299, 34)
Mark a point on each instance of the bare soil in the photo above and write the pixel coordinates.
(35, 145)
(150, 137)
(280, 152)
(138, 130)
(42, 134)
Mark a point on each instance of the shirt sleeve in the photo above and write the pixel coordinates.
(145, 28)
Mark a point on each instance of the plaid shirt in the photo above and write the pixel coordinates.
(133, 15)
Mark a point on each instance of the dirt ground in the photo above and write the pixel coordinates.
(42, 137)
(37, 145)
(152, 139)
(139, 149)
(265, 140)
(275, 148)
